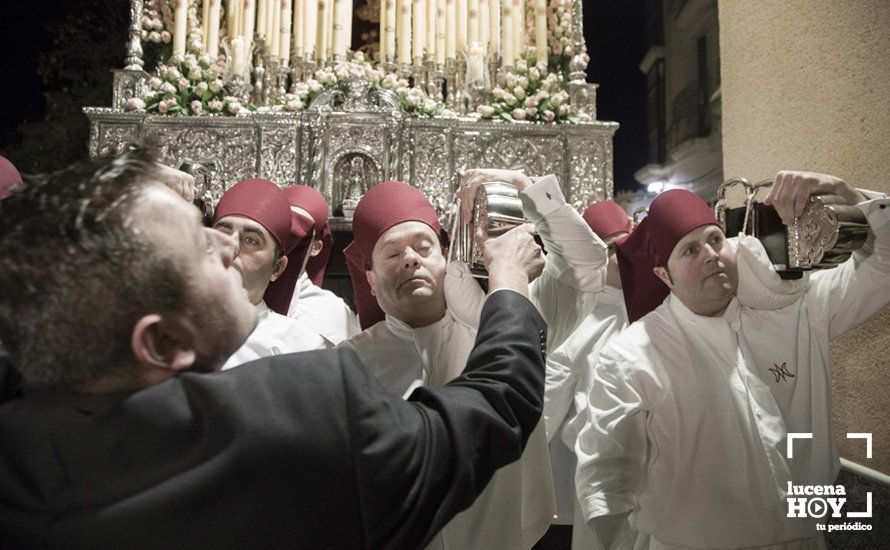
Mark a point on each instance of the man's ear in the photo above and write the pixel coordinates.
(280, 266)
(664, 276)
(316, 248)
(163, 342)
(372, 282)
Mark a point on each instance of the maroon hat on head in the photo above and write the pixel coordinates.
(280, 291)
(383, 206)
(262, 201)
(312, 201)
(606, 218)
(9, 177)
(671, 216)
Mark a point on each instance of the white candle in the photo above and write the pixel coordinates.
(249, 24)
(329, 45)
(432, 30)
(339, 27)
(541, 32)
(460, 38)
(231, 31)
(475, 65)
(518, 28)
(390, 28)
(473, 22)
(350, 12)
(261, 18)
(419, 27)
(323, 30)
(179, 30)
(382, 30)
(275, 29)
(441, 31)
(213, 29)
(494, 21)
(284, 44)
(310, 28)
(404, 36)
(450, 29)
(507, 29)
(484, 25)
(297, 23)
(270, 24)
(238, 56)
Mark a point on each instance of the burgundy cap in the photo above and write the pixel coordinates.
(263, 202)
(383, 206)
(312, 201)
(9, 177)
(280, 291)
(671, 216)
(606, 218)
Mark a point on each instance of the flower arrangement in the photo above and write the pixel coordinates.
(529, 93)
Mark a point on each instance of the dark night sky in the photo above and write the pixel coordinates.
(614, 30)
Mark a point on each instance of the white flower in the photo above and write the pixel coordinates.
(519, 92)
(563, 110)
(135, 104)
(294, 105)
(359, 57)
(155, 83)
(559, 98)
(183, 85)
(518, 114)
(146, 22)
(521, 65)
(166, 37)
(498, 92)
(568, 50)
(413, 100)
(195, 73)
(168, 88)
(234, 107)
(215, 105)
(216, 86)
(162, 107)
(154, 36)
(485, 110)
(196, 107)
(429, 105)
(510, 80)
(157, 24)
(173, 74)
(534, 74)
(549, 115)
(531, 112)
(205, 60)
(522, 81)
(314, 86)
(201, 88)
(530, 101)
(509, 99)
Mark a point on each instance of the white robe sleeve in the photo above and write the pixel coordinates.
(857, 289)
(612, 446)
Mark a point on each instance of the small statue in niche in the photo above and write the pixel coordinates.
(355, 174)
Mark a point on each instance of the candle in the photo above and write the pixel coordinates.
(213, 29)
(270, 24)
(440, 32)
(484, 25)
(322, 45)
(238, 56)
(473, 22)
(382, 30)
(231, 31)
(460, 38)
(390, 28)
(419, 27)
(275, 28)
(494, 23)
(284, 44)
(179, 31)
(350, 11)
(507, 29)
(541, 32)
(450, 29)
(249, 23)
(518, 28)
(432, 31)
(261, 18)
(329, 43)
(475, 65)
(297, 23)
(310, 28)
(404, 36)
(339, 27)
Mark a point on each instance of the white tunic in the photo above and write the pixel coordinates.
(689, 414)
(516, 507)
(275, 335)
(323, 310)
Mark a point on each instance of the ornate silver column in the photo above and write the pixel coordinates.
(134, 61)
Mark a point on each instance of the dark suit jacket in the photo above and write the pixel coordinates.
(294, 451)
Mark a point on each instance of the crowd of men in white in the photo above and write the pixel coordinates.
(664, 422)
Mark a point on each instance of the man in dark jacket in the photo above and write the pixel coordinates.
(115, 304)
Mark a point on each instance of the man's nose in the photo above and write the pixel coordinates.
(227, 246)
(412, 259)
(710, 253)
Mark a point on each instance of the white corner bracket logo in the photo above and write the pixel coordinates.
(819, 501)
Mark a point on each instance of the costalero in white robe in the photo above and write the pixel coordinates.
(689, 415)
(323, 310)
(516, 508)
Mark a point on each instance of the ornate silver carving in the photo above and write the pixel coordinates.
(127, 83)
(582, 96)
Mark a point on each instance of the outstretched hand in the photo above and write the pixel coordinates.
(792, 189)
(513, 259)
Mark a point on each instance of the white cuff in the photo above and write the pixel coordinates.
(542, 197)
